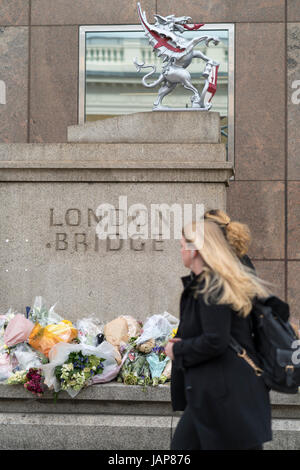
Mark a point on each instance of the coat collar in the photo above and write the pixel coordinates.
(190, 279)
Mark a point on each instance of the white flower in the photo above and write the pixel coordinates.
(17, 377)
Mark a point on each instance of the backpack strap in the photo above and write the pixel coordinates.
(235, 345)
(241, 352)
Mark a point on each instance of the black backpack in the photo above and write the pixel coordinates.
(273, 337)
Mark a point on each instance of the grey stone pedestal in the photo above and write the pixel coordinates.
(50, 194)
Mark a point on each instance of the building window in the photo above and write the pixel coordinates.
(109, 84)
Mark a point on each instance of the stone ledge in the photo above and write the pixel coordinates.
(80, 152)
(117, 165)
(108, 391)
(118, 391)
(165, 126)
(99, 175)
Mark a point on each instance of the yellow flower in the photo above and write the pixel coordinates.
(174, 332)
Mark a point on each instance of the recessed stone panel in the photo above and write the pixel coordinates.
(54, 87)
(13, 84)
(260, 204)
(49, 247)
(14, 12)
(293, 104)
(260, 101)
(293, 10)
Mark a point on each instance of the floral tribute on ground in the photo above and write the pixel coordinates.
(43, 351)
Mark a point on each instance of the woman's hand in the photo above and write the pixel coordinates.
(169, 347)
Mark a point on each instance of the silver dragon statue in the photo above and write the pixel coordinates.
(177, 53)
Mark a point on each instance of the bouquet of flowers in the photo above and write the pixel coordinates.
(40, 351)
(144, 365)
(78, 369)
(147, 363)
(74, 366)
(135, 370)
(32, 380)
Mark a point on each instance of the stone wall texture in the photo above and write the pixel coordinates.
(42, 100)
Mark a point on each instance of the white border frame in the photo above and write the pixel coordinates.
(119, 28)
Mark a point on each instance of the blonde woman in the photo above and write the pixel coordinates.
(226, 405)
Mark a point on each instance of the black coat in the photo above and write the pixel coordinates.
(231, 405)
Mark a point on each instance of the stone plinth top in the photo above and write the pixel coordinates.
(114, 162)
(151, 127)
(74, 153)
(114, 391)
(109, 391)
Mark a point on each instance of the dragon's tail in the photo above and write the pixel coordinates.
(141, 66)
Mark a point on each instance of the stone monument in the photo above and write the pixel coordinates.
(50, 194)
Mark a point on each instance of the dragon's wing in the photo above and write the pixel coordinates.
(164, 42)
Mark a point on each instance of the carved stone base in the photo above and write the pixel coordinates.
(114, 416)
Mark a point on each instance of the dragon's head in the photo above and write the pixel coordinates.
(176, 23)
(172, 22)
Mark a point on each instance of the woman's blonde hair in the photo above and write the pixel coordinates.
(237, 234)
(226, 279)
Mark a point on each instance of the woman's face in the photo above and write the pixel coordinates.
(186, 254)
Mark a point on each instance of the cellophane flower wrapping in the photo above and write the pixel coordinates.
(50, 328)
(44, 338)
(17, 330)
(157, 326)
(156, 364)
(26, 357)
(88, 329)
(42, 314)
(6, 368)
(4, 321)
(59, 356)
(109, 374)
(19, 360)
